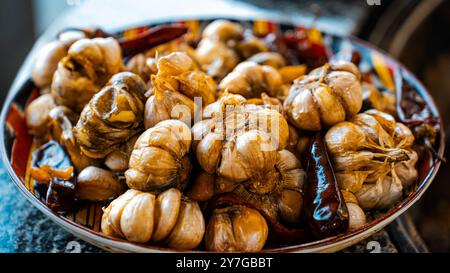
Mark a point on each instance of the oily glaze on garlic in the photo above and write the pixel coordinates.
(175, 87)
(166, 218)
(244, 146)
(62, 120)
(326, 96)
(160, 158)
(112, 116)
(250, 79)
(87, 67)
(236, 228)
(373, 158)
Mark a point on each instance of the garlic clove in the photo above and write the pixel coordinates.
(357, 217)
(256, 149)
(346, 85)
(167, 208)
(137, 219)
(331, 110)
(208, 152)
(232, 166)
(290, 203)
(303, 111)
(116, 209)
(219, 234)
(250, 230)
(189, 229)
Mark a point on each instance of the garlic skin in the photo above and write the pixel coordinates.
(167, 143)
(112, 116)
(244, 146)
(373, 158)
(88, 65)
(250, 79)
(273, 59)
(326, 96)
(236, 228)
(143, 217)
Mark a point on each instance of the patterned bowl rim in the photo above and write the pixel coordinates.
(325, 245)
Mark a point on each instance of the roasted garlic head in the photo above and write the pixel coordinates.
(244, 146)
(176, 86)
(327, 95)
(61, 121)
(112, 116)
(160, 158)
(236, 228)
(250, 79)
(144, 217)
(87, 67)
(215, 51)
(373, 158)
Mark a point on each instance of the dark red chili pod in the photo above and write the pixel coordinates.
(61, 195)
(326, 211)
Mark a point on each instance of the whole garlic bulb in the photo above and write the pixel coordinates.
(250, 79)
(112, 116)
(87, 67)
(223, 30)
(373, 158)
(177, 72)
(49, 55)
(175, 87)
(327, 95)
(215, 52)
(236, 228)
(143, 217)
(243, 145)
(160, 158)
(61, 122)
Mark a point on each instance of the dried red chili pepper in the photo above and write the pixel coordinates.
(143, 41)
(326, 211)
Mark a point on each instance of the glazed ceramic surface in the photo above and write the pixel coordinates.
(17, 145)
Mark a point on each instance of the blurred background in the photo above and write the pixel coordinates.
(413, 31)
